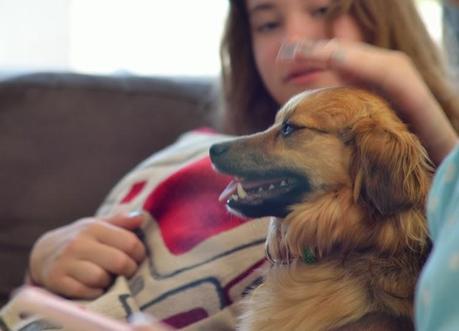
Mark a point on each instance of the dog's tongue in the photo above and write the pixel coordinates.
(238, 190)
(228, 191)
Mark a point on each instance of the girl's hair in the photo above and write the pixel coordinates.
(391, 24)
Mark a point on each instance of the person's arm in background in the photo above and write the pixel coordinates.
(393, 74)
(79, 260)
(436, 307)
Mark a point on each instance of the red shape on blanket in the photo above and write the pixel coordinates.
(186, 318)
(187, 209)
(134, 191)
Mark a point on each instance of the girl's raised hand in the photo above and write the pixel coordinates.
(393, 75)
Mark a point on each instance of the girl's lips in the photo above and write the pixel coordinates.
(304, 76)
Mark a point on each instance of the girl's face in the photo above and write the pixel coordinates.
(276, 21)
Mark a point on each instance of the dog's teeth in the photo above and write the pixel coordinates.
(235, 197)
(271, 187)
(240, 191)
(283, 183)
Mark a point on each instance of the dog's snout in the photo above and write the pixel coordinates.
(218, 149)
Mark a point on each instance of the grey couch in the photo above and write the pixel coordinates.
(65, 139)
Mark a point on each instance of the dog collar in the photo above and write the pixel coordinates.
(308, 257)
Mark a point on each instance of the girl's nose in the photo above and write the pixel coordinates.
(303, 27)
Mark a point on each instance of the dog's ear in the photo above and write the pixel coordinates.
(390, 166)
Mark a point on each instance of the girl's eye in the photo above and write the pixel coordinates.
(267, 26)
(287, 129)
(320, 11)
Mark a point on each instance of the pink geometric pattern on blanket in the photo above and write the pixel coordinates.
(134, 191)
(186, 318)
(187, 209)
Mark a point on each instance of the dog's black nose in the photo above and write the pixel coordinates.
(218, 149)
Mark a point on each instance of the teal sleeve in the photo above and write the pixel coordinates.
(437, 294)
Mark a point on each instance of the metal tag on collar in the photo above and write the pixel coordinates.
(309, 256)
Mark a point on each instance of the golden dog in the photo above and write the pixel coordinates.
(346, 183)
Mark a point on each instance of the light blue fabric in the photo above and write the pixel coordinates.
(437, 295)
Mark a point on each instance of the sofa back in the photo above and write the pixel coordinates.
(66, 139)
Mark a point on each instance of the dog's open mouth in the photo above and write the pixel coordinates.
(264, 197)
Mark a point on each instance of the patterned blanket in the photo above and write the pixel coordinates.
(201, 259)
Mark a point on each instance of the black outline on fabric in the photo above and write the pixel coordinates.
(123, 299)
(220, 290)
(212, 280)
(154, 271)
(257, 282)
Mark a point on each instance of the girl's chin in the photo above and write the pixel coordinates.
(294, 89)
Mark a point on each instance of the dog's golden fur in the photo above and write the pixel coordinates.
(363, 215)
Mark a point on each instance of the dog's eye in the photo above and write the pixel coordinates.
(287, 129)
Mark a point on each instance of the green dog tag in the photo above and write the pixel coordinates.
(308, 256)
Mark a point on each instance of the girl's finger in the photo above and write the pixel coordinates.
(110, 259)
(121, 239)
(89, 274)
(128, 220)
(73, 288)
